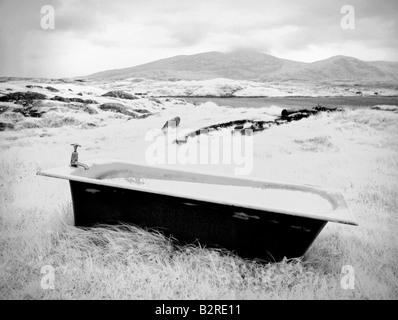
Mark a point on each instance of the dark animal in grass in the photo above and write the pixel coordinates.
(173, 123)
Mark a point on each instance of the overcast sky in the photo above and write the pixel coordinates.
(96, 35)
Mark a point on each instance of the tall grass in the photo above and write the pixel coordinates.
(356, 151)
(130, 263)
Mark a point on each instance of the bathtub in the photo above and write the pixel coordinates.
(253, 218)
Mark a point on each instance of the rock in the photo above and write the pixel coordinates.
(297, 116)
(321, 108)
(90, 101)
(288, 112)
(120, 95)
(257, 126)
(89, 110)
(61, 99)
(80, 94)
(144, 111)
(31, 86)
(85, 109)
(6, 125)
(279, 121)
(117, 108)
(78, 100)
(3, 109)
(173, 123)
(52, 89)
(27, 97)
(30, 112)
(90, 125)
(385, 108)
(155, 100)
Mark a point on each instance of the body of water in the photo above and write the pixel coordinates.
(299, 102)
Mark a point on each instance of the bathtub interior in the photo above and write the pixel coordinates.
(315, 202)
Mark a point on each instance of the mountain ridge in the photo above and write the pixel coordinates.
(255, 66)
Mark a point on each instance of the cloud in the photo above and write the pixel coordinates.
(94, 35)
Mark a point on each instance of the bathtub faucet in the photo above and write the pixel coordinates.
(74, 161)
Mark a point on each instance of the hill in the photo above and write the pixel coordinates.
(254, 66)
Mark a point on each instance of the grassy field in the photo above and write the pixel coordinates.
(355, 150)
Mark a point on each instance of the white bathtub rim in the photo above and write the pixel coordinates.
(340, 214)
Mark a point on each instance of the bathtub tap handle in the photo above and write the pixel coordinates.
(74, 161)
(75, 145)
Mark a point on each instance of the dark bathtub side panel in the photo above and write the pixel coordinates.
(250, 233)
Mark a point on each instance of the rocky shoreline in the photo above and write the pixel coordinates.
(36, 103)
(43, 106)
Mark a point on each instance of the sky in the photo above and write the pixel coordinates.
(96, 35)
